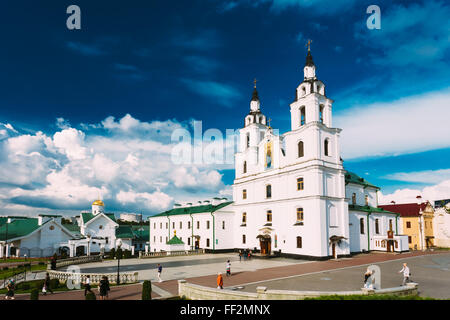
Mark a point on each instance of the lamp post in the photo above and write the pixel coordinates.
(88, 245)
(118, 253)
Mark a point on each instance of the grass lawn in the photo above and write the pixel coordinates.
(27, 260)
(13, 271)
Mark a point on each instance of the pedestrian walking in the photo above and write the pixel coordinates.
(46, 287)
(249, 254)
(87, 285)
(245, 255)
(219, 281)
(159, 272)
(406, 274)
(11, 286)
(228, 268)
(240, 255)
(104, 288)
(367, 278)
(53, 263)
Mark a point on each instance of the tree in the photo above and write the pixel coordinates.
(147, 290)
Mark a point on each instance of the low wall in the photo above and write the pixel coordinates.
(170, 253)
(125, 277)
(76, 260)
(196, 292)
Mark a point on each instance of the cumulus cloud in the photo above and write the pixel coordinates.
(439, 191)
(396, 127)
(127, 162)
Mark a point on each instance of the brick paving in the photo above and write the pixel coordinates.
(133, 292)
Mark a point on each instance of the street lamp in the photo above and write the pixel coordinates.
(88, 245)
(118, 253)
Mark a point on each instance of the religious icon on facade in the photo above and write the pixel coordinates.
(268, 152)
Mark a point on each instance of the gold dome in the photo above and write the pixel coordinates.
(98, 203)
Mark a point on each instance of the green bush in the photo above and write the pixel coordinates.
(54, 283)
(41, 263)
(34, 295)
(127, 254)
(5, 268)
(23, 286)
(147, 290)
(39, 284)
(90, 296)
(112, 253)
(119, 254)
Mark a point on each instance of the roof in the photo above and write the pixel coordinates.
(369, 209)
(98, 203)
(72, 227)
(86, 216)
(351, 177)
(309, 60)
(49, 215)
(18, 228)
(406, 209)
(175, 240)
(141, 232)
(193, 209)
(3, 220)
(125, 232)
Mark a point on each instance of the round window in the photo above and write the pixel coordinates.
(52, 227)
(100, 227)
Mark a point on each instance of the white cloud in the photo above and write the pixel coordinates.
(426, 176)
(412, 124)
(127, 162)
(436, 192)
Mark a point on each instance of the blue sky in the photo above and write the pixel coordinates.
(135, 72)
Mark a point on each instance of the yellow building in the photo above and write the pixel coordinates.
(416, 222)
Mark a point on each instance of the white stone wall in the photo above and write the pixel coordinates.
(441, 228)
(108, 230)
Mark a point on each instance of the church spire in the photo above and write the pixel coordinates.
(255, 92)
(310, 69)
(254, 103)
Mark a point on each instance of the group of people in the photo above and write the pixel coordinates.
(246, 254)
(103, 287)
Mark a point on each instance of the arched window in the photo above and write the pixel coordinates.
(366, 199)
(244, 218)
(303, 91)
(321, 112)
(243, 238)
(245, 167)
(269, 215)
(299, 214)
(354, 198)
(377, 226)
(247, 137)
(299, 242)
(244, 194)
(302, 116)
(301, 149)
(300, 184)
(361, 225)
(269, 191)
(325, 147)
(390, 224)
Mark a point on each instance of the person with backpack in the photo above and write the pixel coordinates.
(104, 288)
(11, 286)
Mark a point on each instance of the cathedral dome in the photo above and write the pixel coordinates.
(98, 203)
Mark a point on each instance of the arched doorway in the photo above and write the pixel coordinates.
(265, 242)
(80, 251)
(196, 242)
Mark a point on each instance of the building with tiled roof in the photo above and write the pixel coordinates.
(416, 222)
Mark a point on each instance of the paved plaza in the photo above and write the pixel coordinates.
(431, 270)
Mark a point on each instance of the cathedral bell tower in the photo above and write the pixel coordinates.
(250, 136)
(310, 103)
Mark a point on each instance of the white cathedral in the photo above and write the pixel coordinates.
(291, 194)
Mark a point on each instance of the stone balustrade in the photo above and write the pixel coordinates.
(170, 253)
(196, 292)
(76, 260)
(125, 277)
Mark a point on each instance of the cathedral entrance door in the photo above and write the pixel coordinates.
(265, 246)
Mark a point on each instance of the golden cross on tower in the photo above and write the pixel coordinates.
(270, 120)
(308, 44)
(254, 81)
